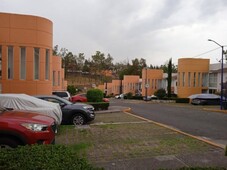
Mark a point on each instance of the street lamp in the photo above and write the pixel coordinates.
(222, 53)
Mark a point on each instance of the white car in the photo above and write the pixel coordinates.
(30, 103)
(120, 96)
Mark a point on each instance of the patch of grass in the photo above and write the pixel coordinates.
(106, 142)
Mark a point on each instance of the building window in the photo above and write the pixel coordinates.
(178, 79)
(183, 79)
(10, 62)
(199, 75)
(23, 63)
(213, 80)
(59, 78)
(47, 64)
(189, 79)
(194, 78)
(204, 80)
(36, 63)
(0, 62)
(54, 78)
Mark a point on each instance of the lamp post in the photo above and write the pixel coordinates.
(146, 84)
(222, 53)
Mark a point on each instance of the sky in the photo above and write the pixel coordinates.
(155, 30)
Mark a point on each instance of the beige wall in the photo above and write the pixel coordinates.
(29, 32)
(130, 83)
(116, 85)
(192, 73)
(153, 78)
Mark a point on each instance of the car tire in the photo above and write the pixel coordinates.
(78, 119)
(7, 143)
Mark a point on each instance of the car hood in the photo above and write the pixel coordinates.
(26, 116)
(78, 105)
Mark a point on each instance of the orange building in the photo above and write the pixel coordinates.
(151, 81)
(192, 76)
(130, 84)
(26, 61)
(116, 86)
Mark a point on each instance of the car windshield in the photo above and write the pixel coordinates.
(64, 101)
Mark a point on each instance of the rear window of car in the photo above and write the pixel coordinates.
(60, 94)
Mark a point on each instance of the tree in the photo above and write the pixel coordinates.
(160, 93)
(169, 78)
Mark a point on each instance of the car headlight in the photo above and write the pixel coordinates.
(88, 107)
(35, 127)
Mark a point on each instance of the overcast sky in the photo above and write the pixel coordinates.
(155, 30)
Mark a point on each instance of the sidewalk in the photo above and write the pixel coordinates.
(214, 158)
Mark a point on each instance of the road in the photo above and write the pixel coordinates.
(185, 117)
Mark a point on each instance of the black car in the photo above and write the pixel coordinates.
(72, 113)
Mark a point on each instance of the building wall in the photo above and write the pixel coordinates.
(153, 79)
(58, 73)
(27, 32)
(116, 85)
(192, 76)
(130, 84)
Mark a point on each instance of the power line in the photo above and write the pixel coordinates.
(206, 52)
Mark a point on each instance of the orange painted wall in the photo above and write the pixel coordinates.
(152, 77)
(29, 32)
(130, 83)
(192, 84)
(116, 86)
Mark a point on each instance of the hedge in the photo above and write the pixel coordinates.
(40, 157)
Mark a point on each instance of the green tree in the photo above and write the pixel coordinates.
(160, 93)
(169, 78)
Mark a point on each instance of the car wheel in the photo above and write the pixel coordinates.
(78, 119)
(8, 143)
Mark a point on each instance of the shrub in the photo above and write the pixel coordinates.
(71, 89)
(100, 105)
(160, 93)
(94, 95)
(129, 95)
(182, 100)
(37, 157)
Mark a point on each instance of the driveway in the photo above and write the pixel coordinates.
(185, 117)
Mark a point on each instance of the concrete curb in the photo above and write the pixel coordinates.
(127, 111)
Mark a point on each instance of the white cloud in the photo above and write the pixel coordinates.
(152, 29)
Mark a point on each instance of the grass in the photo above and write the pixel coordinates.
(121, 136)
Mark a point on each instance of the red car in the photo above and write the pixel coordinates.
(25, 128)
(82, 98)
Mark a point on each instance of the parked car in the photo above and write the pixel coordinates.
(120, 96)
(25, 128)
(205, 99)
(72, 113)
(148, 98)
(64, 94)
(30, 103)
(83, 98)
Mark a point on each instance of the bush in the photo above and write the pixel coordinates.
(38, 157)
(160, 93)
(100, 105)
(137, 97)
(129, 95)
(182, 100)
(94, 95)
(71, 89)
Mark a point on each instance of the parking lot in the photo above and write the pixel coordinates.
(118, 140)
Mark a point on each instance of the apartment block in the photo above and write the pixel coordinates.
(26, 61)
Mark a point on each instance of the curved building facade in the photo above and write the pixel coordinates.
(26, 61)
(192, 76)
